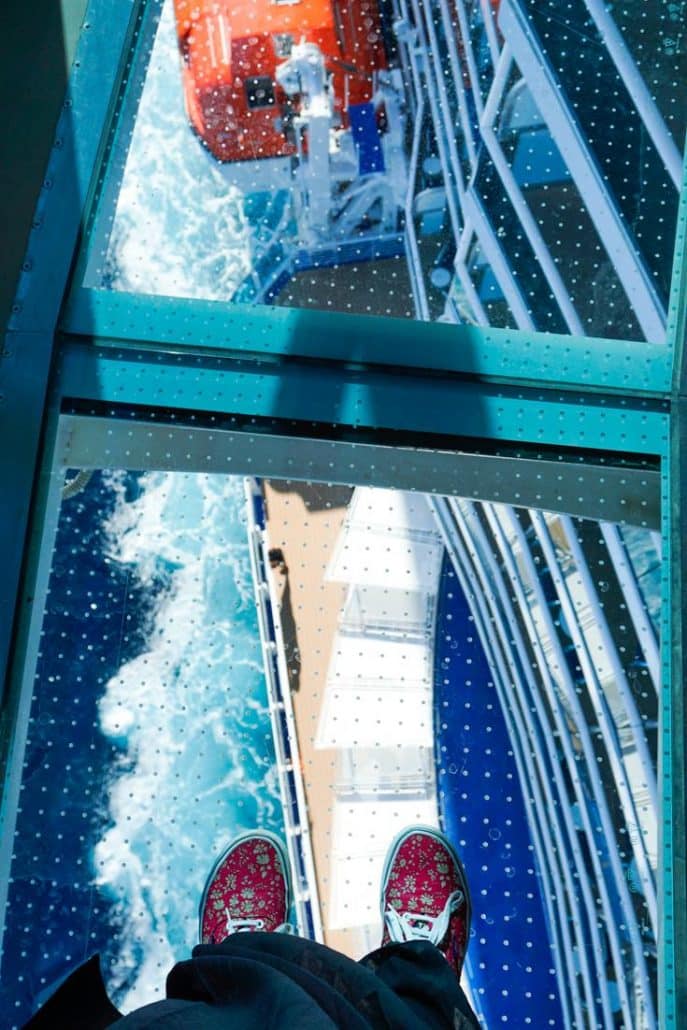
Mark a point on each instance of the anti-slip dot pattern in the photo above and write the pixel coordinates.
(333, 663)
(383, 690)
(556, 212)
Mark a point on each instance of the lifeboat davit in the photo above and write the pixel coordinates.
(232, 50)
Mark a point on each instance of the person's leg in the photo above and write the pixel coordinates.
(426, 908)
(268, 980)
(426, 911)
(412, 979)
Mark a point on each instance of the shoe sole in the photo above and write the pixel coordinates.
(248, 835)
(445, 842)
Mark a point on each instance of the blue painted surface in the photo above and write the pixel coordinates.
(366, 138)
(490, 287)
(509, 960)
(347, 253)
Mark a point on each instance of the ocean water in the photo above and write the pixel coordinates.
(190, 709)
(181, 228)
(150, 744)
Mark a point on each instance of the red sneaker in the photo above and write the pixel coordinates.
(249, 888)
(425, 894)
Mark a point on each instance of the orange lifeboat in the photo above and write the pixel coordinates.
(231, 50)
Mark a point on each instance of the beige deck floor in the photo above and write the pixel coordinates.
(304, 520)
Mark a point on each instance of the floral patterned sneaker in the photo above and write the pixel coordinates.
(425, 894)
(249, 888)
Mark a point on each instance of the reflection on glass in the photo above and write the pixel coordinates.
(352, 157)
(333, 664)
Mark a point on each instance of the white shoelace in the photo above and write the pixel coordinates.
(416, 926)
(249, 925)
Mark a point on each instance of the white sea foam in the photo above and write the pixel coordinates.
(190, 716)
(179, 227)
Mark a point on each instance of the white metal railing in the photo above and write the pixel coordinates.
(606, 725)
(502, 70)
(637, 88)
(284, 732)
(473, 72)
(489, 20)
(446, 121)
(507, 546)
(462, 271)
(476, 216)
(457, 73)
(611, 746)
(414, 264)
(532, 231)
(616, 238)
(641, 621)
(611, 654)
(602, 812)
(545, 658)
(442, 143)
(497, 260)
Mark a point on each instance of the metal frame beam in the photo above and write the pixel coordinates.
(463, 383)
(617, 494)
(544, 360)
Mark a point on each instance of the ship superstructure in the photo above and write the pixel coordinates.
(520, 160)
(491, 159)
(539, 225)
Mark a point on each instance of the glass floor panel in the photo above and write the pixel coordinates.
(243, 177)
(332, 664)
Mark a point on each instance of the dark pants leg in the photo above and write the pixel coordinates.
(80, 1002)
(419, 974)
(260, 981)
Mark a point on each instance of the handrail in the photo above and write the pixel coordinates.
(294, 805)
(612, 749)
(466, 236)
(627, 578)
(454, 212)
(477, 534)
(644, 102)
(559, 715)
(464, 24)
(453, 176)
(598, 792)
(449, 32)
(532, 230)
(414, 265)
(633, 716)
(489, 19)
(609, 731)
